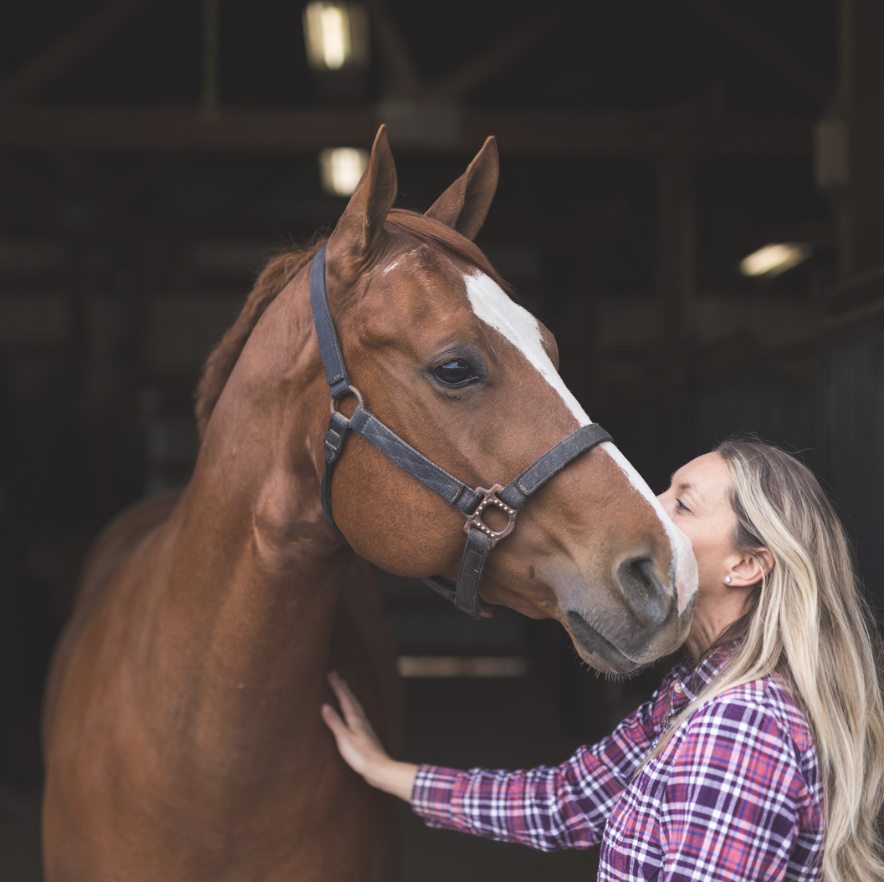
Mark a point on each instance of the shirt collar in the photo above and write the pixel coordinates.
(696, 676)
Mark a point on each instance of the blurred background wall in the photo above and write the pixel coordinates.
(153, 154)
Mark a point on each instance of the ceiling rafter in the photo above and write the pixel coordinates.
(496, 58)
(69, 49)
(749, 34)
(406, 82)
(294, 130)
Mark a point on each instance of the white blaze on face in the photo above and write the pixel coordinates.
(491, 304)
(684, 562)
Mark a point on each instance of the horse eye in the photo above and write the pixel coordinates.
(456, 372)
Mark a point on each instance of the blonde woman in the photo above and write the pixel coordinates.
(761, 756)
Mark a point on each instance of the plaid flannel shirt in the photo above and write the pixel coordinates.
(736, 793)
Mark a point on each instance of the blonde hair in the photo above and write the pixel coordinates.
(809, 622)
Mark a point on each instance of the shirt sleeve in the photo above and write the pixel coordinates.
(546, 808)
(736, 798)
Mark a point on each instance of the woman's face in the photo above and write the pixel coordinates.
(698, 501)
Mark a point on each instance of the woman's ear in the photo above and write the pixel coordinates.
(750, 569)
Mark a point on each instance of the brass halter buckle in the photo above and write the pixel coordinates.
(475, 519)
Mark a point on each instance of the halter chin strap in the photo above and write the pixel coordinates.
(472, 503)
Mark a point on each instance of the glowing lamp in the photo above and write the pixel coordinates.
(336, 34)
(774, 259)
(341, 168)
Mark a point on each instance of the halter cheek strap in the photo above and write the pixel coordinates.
(472, 503)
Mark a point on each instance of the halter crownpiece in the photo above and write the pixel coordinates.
(472, 503)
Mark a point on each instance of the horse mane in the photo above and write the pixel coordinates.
(281, 269)
(277, 273)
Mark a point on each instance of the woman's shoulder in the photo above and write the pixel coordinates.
(764, 707)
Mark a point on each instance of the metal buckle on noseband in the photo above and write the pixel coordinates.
(489, 497)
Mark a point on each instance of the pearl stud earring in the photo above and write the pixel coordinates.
(727, 579)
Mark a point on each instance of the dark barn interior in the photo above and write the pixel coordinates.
(153, 155)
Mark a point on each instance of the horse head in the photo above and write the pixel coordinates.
(450, 364)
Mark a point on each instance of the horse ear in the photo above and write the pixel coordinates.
(359, 228)
(464, 205)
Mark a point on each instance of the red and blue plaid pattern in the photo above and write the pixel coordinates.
(735, 795)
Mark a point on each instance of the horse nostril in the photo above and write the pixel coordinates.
(650, 600)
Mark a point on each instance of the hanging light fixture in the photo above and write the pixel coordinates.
(774, 259)
(340, 169)
(336, 34)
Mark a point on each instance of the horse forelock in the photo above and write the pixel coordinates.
(282, 268)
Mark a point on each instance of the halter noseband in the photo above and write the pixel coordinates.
(470, 502)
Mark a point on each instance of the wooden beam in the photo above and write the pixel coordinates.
(406, 81)
(860, 102)
(498, 57)
(676, 249)
(69, 50)
(210, 100)
(305, 130)
(154, 169)
(16, 177)
(732, 20)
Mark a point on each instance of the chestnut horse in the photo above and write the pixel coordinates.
(182, 730)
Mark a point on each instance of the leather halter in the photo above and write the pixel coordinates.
(470, 502)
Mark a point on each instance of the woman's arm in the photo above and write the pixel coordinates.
(546, 808)
(360, 746)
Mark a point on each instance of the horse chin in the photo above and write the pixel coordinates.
(596, 650)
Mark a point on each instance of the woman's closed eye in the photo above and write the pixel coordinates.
(680, 505)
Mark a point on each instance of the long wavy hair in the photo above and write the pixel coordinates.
(808, 620)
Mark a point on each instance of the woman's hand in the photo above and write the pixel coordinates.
(360, 746)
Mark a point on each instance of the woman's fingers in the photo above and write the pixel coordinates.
(342, 692)
(352, 709)
(360, 746)
(355, 721)
(333, 719)
(355, 737)
(337, 724)
(347, 740)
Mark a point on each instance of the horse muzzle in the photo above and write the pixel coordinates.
(639, 622)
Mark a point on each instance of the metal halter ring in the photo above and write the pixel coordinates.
(475, 519)
(353, 391)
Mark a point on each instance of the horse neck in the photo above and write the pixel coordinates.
(253, 573)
